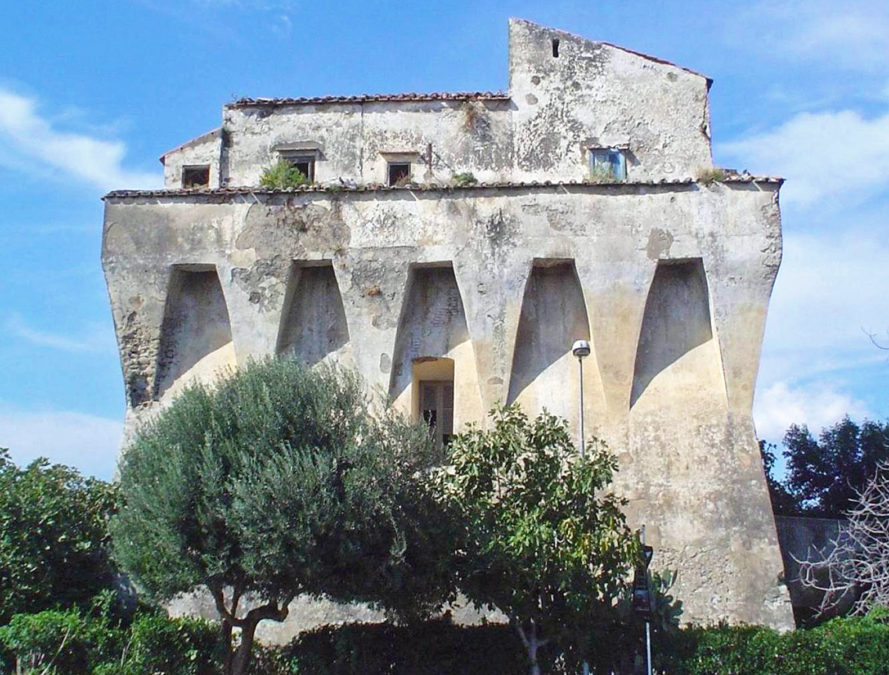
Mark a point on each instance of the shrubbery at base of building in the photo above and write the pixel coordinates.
(97, 644)
(108, 640)
(855, 645)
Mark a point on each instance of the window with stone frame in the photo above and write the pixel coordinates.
(398, 173)
(608, 164)
(304, 163)
(195, 176)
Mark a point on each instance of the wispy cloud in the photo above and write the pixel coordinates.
(829, 158)
(832, 285)
(28, 138)
(88, 442)
(817, 405)
(95, 340)
(849, 35)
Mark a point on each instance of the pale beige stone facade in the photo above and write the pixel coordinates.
(485, 286)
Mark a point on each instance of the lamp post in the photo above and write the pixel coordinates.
(581, 349)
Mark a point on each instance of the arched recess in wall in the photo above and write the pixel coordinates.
(677, 358)
(553, 316)
(313, 323)
(432, 347)
(196, 336)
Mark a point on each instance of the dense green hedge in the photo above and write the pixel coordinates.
(849, 646)
(839, 647)
(423, 649)
(103, 641)
(97, 643)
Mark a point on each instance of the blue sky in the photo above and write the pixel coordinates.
(91, 93)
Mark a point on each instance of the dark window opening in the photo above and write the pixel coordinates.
(399, 173)
(195, 177)
(437, 408)
(556, 47)
(305, 165)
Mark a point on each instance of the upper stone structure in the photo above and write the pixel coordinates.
(451, 248)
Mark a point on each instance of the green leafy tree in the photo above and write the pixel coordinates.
(544, 541)
(826, 476)
(277, 483)
(54, 541)
(783, 502)
(282, 175)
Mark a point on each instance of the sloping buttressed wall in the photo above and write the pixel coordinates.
(677, 356)
(553, 316)
(433, 326)
(196, 336)
(500, 282)
(314, 325)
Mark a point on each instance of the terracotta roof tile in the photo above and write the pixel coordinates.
(378, 187)
(410, 97)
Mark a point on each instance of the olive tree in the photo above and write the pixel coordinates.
(544, 541)
(275, 483)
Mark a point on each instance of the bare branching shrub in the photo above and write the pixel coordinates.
(858, 564)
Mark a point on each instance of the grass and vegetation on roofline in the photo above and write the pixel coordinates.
(463, 179)
(283, 175)
(711, 175)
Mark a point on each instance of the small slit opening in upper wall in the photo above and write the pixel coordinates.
(555, 47)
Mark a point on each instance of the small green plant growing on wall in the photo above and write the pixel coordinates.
(283, 175)
(603, 174)
(710, 176)
(465, 178)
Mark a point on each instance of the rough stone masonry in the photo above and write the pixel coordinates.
(451, 247)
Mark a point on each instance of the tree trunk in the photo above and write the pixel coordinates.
(241, 659)
(532, 652)
(227, 644)
(532, 644)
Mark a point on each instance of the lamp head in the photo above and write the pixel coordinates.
(580, 349)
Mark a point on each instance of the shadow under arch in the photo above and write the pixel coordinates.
(195, 326)
(675, 321)
(313, 324)
(553, 316)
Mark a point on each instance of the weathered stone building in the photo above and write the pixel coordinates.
(592, 214)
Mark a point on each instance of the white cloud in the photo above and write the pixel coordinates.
(86, 442)
(27, 138)
(829, 159)
(818, 405)
(831, 289)
(852, 34)
(96, 340)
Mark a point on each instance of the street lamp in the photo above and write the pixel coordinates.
(581, 349)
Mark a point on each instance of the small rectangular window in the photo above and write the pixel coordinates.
(399, 173)
(608, 164)
(305, 164)
(195, 177)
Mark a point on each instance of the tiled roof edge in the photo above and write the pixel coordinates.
(375, 187)
(372, 98)
(210, 135)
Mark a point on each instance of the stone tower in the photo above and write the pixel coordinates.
(451, 247)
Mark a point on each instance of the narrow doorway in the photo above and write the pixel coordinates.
(437, 408)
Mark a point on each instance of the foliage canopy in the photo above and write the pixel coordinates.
(277, 483)
(543, 540)
(826, 475)
(55, 546)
